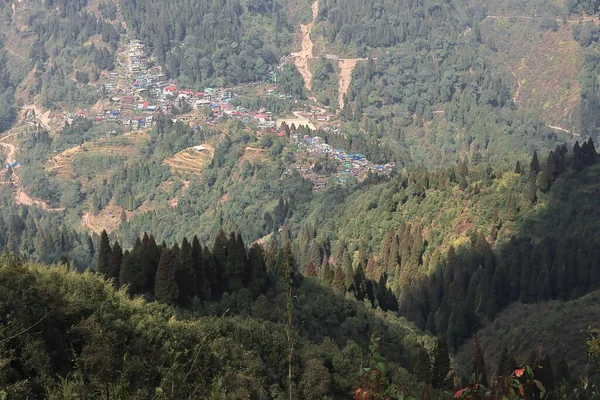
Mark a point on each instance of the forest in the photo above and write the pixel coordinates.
(130, 271)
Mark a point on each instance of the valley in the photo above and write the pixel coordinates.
(324, 199)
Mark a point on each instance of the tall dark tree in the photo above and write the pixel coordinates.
(104, 252)
(132, 274)
(219, 253)
(534, 166)
(185, 276)
(441, 366)
(166, 289)
(257, 270)
(236, 264)
(114, 265)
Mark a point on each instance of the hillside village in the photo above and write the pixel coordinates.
(137, 90)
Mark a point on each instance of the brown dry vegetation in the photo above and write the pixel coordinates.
(109, 218)
(545, 66)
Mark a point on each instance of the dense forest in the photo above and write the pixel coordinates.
(137, 264)
(71, 334)
(190, 39)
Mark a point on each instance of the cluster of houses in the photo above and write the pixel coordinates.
(348, 164)
(140, 89)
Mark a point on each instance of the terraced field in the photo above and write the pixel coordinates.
(190, 160)
(122, 146)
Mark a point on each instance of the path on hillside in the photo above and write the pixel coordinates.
(570, 21)
(20, 196)
(346, 67)
(303, 57)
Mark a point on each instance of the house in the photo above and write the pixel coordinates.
(199, 148)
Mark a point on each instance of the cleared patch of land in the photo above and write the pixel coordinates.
(190, 160)
(109, 218)
(545, 65)
(63, 164)
(297, 120)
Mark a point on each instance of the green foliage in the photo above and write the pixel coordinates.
(195, 47)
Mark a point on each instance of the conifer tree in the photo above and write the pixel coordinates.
(327, 273)
(236, 265)
(479, 365)
(104, 252)
(359, 286)
(462, 183)
(577, 157)
(542, 181)
(441, 366)
(114, 265)
(531, 192)
(518, 168)
(422, 366)
(210, 273)
(198, 265)
(131, 273)
(185, 276)
(534, 166)
(219, 253)
(257, 270)
(371, 271)
(166, 289)
(310, 270)
(511, 208)
(339, 280)
(147, 255)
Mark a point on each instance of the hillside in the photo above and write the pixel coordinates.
(408, 176)
(557, 329)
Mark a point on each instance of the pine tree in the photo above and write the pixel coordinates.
(326, 277)
(199, 267)
(104, 252)
(462, 183)
(518, 168)
(577, 156)
(219, 253)
(441, 366)
(185, 276)
(166, 289)
(131, 273)
(339, 280)
(210, 274)
(114, 265)
(310, 270)
(479, 365)
(236, 265)
(534, 166)
(422, 366)
(257, 270)
(371, 272)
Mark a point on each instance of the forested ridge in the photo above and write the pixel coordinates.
(211, 252)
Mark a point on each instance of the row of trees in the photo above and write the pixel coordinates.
(176, 275)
